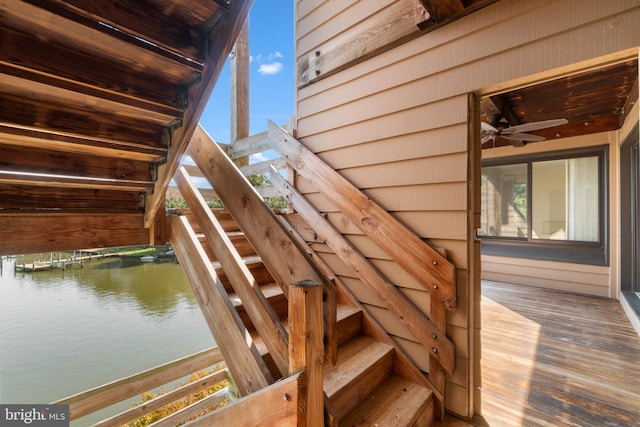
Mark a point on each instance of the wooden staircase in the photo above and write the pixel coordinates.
(366, 385)
(247, 267)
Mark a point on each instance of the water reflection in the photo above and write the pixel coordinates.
(156, 288)
(65, 331)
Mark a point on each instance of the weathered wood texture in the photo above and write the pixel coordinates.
(262, 315)
(94, 97)
(218, 49)
(169, 397)
(97, 398)
(386, 25)
(306, 349)
(552, 358)
(273, 406)
(23, 233)
(427, 333)
(418, 259)
(248, 369)
(396, 125)
(286, 262)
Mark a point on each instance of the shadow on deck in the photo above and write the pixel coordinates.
(552, 358)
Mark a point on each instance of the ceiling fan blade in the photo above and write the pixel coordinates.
(486, 127)
(528, 127)
(485, 139)
(523, 137)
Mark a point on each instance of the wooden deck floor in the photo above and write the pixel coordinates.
(557, 359)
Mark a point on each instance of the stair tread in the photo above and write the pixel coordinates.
(343, 311)
(395, 402)
(355, 359)
(269, 290)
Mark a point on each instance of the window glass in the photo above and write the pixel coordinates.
(504, 201)
(564, 199)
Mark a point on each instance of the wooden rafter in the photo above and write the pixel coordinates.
(219, 49)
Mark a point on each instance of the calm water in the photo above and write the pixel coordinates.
(62, 332)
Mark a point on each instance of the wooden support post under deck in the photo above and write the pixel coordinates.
(239, 64)
(306, 349)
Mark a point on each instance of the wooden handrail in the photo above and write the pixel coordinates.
(262, 315)
(434, 272)
(274, 405)
(430, 336)
(284, 260)
(164, 399)
(248, 369)
(97, 398)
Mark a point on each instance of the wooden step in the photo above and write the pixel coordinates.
(349, 322)
(256, 268)
(396, 402)
(274, 295)
(362, 364)
(238, 240)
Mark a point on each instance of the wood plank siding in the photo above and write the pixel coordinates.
(399, 126)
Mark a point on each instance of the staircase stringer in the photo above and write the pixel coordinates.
(429, 268)
(262, 315)
(284, 259)
(430, 336)
(248, 369)
(403, 365)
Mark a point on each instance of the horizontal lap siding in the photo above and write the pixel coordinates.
(578, 278)
(396, 125)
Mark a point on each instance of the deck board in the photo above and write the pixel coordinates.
(553, 358)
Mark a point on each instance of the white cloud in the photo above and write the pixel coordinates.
(270, 69)
(275, 55)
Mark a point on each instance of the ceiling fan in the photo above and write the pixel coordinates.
(500, 128)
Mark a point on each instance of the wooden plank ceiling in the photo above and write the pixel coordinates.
(97, 102)
(592, 101)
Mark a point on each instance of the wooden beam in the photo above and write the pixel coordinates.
(63, 141)
(262, 315)
(274, 405)
(131, 18)
(377, 33)
(59, 117)
(24, 233)
(88, 18)
(427, 334)
(247, 368)
(306, 350)
(218, 52)
(239, 64)
(94, 38)
(41, 160)
(286, 262)
(62, 181)
(24, 51)
(441, 10)
(423, 263)
(76, 200)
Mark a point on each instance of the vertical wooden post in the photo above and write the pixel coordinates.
(239, 65)
(306, 349)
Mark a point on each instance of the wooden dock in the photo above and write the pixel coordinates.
(61, 263)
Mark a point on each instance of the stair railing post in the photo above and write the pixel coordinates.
(306, 349)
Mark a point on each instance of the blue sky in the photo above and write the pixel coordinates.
(271, 80)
